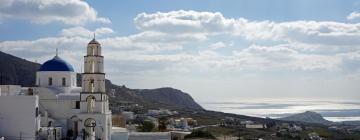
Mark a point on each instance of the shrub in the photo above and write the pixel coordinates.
(147, 126)
(200, 134)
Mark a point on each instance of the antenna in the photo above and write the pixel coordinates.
(94, 35)
(56, 51)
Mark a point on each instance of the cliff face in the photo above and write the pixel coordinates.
(19, 71)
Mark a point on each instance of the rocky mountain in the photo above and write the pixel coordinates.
(308, 117)
(19, 71)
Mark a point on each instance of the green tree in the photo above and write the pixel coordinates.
(162, 124)
(146, 126)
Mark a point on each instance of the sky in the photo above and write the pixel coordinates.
(214, 50)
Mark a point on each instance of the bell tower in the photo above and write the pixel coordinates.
(94, 103)
(93, 79)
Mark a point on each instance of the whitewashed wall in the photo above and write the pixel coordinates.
(42, 78)
(17, 117)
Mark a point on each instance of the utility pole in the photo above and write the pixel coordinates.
(20, 135)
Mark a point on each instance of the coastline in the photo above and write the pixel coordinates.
(337, 111)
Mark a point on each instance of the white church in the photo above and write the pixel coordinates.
(56, 108)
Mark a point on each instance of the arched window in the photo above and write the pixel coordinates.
(92, 66)
(92, 52)
(63, 81)
(97, 49)
(90, 103)
(50, 82)
(75, 121)
(36, 112)
(91, 85)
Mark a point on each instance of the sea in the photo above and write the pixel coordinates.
(332, 110)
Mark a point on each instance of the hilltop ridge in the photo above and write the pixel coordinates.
(307, 117)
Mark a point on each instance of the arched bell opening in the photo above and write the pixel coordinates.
(90, 103)
(91, 85)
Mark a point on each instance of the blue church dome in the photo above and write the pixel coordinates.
(56, 64)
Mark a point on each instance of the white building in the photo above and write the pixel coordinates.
(57, 104)
(181, 123)
(21, 120)
(255, 126)
(158, 112)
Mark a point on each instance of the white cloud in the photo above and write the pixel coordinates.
(76, 31)
(103, 30)
(130, 55)
(145, 48)
(217, 45)
(208, 23)
(83, 32)
(291, 46)
(353, 16)
(46, 11)
(283, 57)
(183, 22)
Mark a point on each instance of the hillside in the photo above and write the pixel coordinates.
(308, 117)
(16, 70)
(19, 71)
(151, 98)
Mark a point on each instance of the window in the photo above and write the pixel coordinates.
(91, 85)
(30, 91)
(92, 50)
(63, 81)
(49, 123)
(92, 66)
(36, 112)
(77, 105)
(50, 81)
